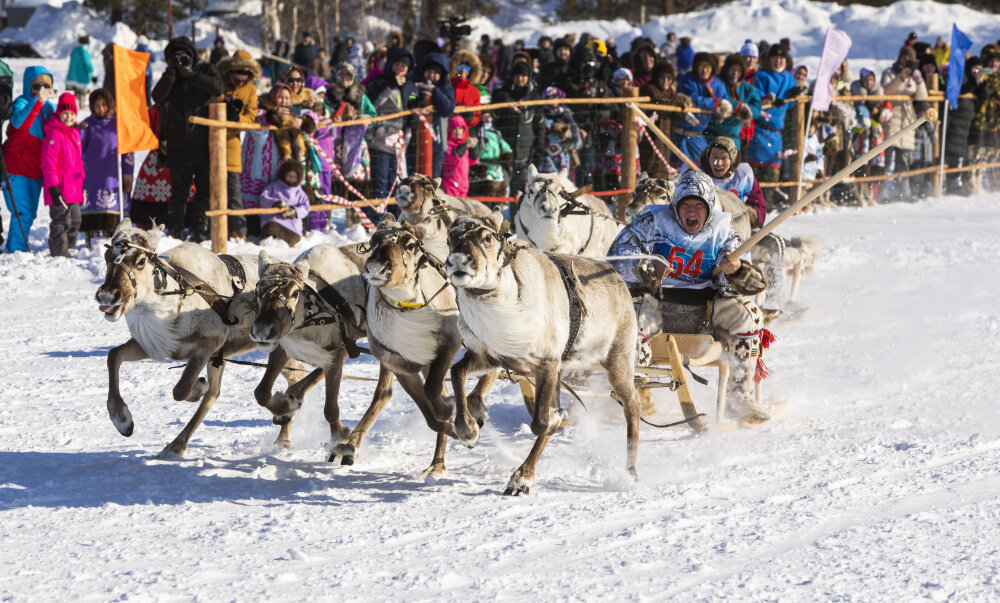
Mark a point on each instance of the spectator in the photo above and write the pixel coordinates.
(546, 53)
(81, 70)
(959, 126)
(556, 73)
(320, 66)
(562, 137)
(108, 59)
(305, 51)
(984, 136)
(700, 88)
(62, 166)
(142, 45)
(295, 79)
(460, 156)
(487, 176)
(438, 93)
(280, 63)
(523, 128)
(766, 150)
(941, 52)
(22, 151)
(668, 51)
(643, 60)
(466, 70)
(356, 57)
(390, 92)
(239, 74)
(100, 212)
(219, 51)
(589, 117)
(660, 90)
(902, 78)
(487, 79)
(346, 95)
(185, 89)
(750, 54)
(685, 56)
(746, 104)
(285, 192)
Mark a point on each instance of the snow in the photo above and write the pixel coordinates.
(880, 480)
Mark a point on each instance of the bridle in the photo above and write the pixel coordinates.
(506, 251)
(390, 235)
(570, 205)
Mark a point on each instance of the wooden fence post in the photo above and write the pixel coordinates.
(800, 144)
(630, 151)
(938, 142)
(217, 177)
(425, 147)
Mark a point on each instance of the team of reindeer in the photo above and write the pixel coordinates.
(447, 275)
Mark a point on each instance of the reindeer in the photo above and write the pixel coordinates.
(538, 314)
(413, 327)
(554, 216)
(174, 315)
(311, 311)
(421, 201)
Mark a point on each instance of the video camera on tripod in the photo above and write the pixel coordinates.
(452, 30)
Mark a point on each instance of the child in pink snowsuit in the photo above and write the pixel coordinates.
(63, 175)
(461, 155)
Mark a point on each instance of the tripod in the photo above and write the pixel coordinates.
(10, 191)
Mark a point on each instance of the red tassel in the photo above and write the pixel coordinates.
(762, 371)
(766, 339)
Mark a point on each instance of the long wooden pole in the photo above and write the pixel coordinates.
(217, 177)
(659, 134)
(630, 151)
(930, 115)
(944, 134)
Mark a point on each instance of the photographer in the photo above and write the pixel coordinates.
(390, 92)
(903, 78)
(238, 75)
(185, 89)
(22, 151)
(437, 92)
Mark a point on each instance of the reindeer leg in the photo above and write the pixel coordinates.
(189, 378)
(476, 400)
(178, 447)
(348, 449)
(130, 351)
(275, 362)
(622, 382)
(331, 408)
(434, 384)
(414, 386)
(524, 478)
(547, 417)
(285, 404)
(437, 470)
(466, 428)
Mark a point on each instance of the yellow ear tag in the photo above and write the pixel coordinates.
(406, 304)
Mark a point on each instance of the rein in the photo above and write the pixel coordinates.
(425, 259)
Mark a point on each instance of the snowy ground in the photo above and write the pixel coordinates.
(880, 481)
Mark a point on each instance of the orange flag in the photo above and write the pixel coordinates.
(131, 112)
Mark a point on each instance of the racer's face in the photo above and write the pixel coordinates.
(693, 213)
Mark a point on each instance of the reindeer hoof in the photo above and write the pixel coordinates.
(198, 390)
(122, 418)
(478, 410)
(282, 420)
(434, 473)
(171, 453)
(346, 452)
(516, 491)
(518, 485)
(467, 435)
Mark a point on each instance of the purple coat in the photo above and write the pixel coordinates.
(100, 156)
(291, 196)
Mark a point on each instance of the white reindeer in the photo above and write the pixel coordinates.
(553, 216)
(169, 320)
(538, 314)
(421, 201)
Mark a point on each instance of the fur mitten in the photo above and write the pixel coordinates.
(748, 280)
(682, 100)
(724, 110)
(744, 114)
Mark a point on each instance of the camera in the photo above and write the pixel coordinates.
(183, 60)
(452, 29)
(234, 107)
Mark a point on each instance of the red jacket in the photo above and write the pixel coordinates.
(467, 95)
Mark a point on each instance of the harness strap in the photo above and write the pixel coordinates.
(576, 309)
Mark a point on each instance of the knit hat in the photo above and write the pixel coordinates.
(777, 50)
(621, 74)
(749, 49)
(553, 92)
(598, 46)
(67, 102)
(521, 69)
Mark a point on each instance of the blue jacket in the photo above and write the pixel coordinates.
(685, 56)
(704, 95)
(766, 147)
(744, 94)
(81, 68)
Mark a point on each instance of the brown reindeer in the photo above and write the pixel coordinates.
(413, 327)
(310, 311)
(538, 313)
(168, 320)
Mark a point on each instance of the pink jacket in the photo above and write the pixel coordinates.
(455, 171)
(62, 161)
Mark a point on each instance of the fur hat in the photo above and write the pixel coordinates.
(699, 185)
(486, 63)
(180, 44)
(663, 68)
(240, 61)
(67, 102)
(465, 57)
(749, 49)
(290, 166)
(106, 95)
(726, 144)
(710, 59)
(737, 60)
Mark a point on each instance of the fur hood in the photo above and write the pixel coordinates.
(465, 57)
(288, 167)
(240, 61)
(694, 184)
(107, 96)
(709, 58)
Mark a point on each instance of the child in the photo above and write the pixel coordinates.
(455, 172)
(285, 192)
(62, 175)
(494, 152)
(562, 136)
(100, 210)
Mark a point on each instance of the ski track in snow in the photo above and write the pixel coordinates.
(879, 481)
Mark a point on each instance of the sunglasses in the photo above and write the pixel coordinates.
(40, 87)
(294, 80)
(462, 68)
